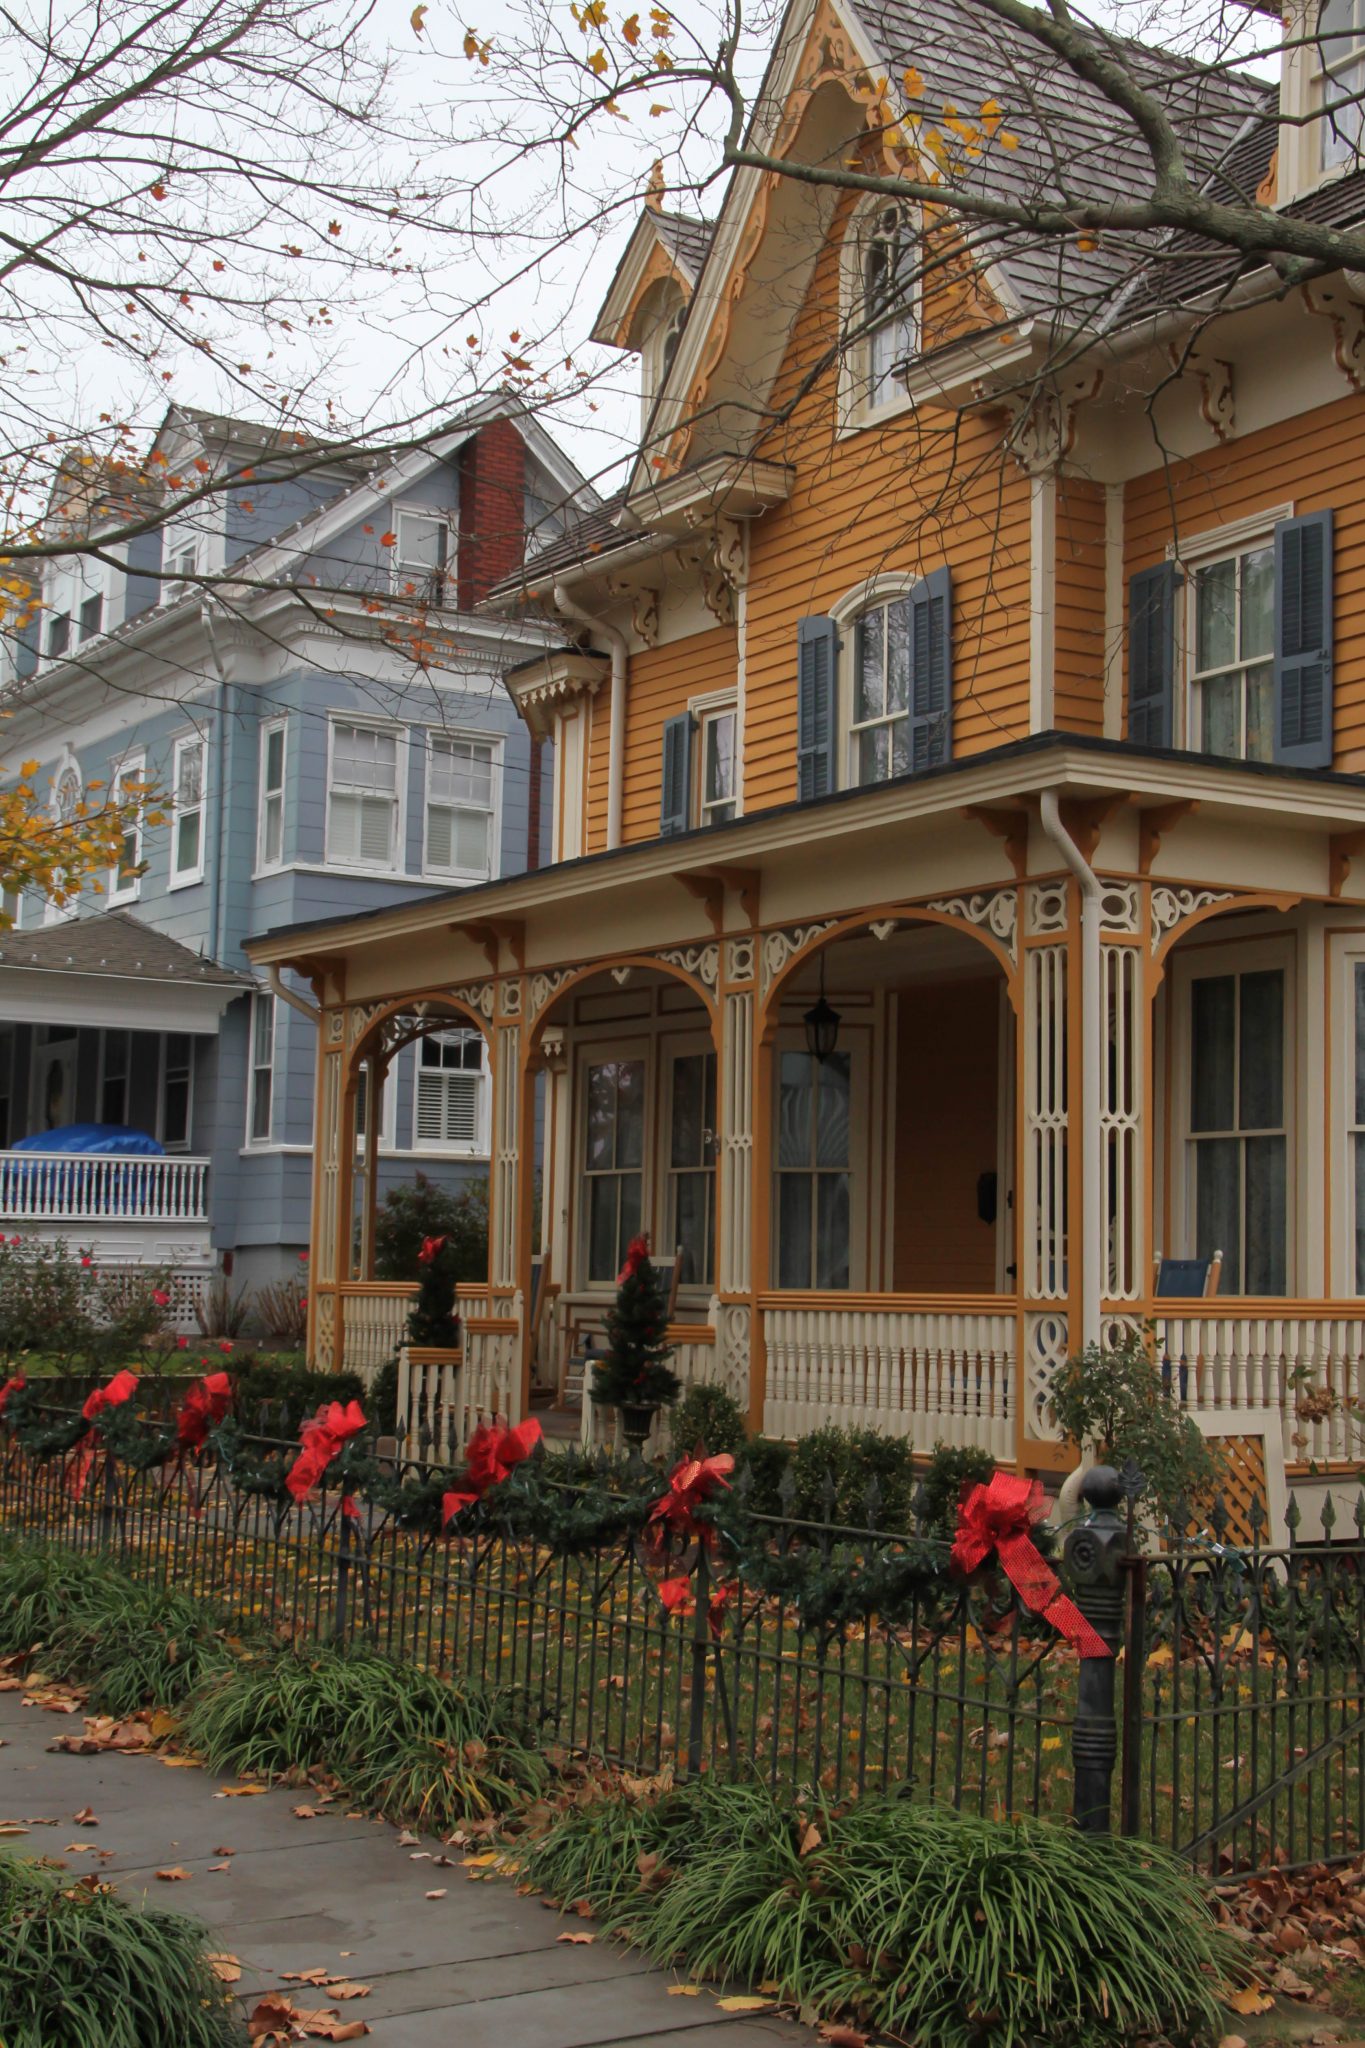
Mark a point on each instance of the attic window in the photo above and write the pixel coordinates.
(886, 309)
(1341, 81)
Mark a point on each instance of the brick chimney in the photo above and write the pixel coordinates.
(492, 510)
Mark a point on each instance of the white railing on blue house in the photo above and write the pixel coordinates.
(62, 1187)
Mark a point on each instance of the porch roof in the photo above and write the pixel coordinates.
(1311, 800)
(102, 969)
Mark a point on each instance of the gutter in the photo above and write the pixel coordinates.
(616, 741)
(1092, 1051)
(275, 983)
(221, 783)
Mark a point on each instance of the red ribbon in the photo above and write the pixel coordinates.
(202, 1409)
(121, 1388)
(1000, 1517)
(11, 1386)
(637, 1255)
(676, 1597)
(322, 1438)
(432, 1247)
(492, 1454)
(692, 1481)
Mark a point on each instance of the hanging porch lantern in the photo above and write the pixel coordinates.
(822, 1023)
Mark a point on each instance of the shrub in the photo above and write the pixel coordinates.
(282, 1308)
(221, 1312)
(79, 1965)
(950, 1471)
(709, 1417)
(852, 1458)
(399, 1739)
(765, 1460)
(47, 1299)
(288, 1393)
(926, 1924)
(419, 1209)
(1118, 1399)
(382, 1406)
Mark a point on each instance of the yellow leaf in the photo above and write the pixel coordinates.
(598, 62)
(684, 1990)
(630, 29)
(744, 2004)
(479, 1862)
(1249, 2000)
(913, 83)
(418, 19)
(1052, 1742)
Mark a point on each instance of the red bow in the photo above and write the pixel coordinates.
(327, 1433)
(432, 1247)
(492, 1454)
(11, 1386)
(121, 1388)
(637, 1255)
(1000, 1518)
(203, 1408)
(676, 1595)
(692, 1481)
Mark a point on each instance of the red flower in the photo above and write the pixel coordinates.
(182, 1343)
(11, 1386)
(203, 1408)
(225, 1345)
(303, 1258)
(637, 1255)
(86, 1259)
(322, 1438)
(432, 1247)
(161, 1300)
(491, 1455)
(16, 1240)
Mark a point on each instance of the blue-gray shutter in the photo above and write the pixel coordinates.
(931, 671)
(675, 801)
(817, 679)
(1151, 655)
(1303, 641)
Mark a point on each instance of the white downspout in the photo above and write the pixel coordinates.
(275, 983)
(616, 741)
(1091, 1134)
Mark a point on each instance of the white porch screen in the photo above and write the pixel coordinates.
(692, 1166)
(613, 1163)
(449, 1089)
(813, 1177)
(1238, 1133)
(1358, 1124)
(362, 817)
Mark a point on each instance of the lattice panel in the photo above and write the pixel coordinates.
(1120, 1118)
(1045, 1084)
(329, 1141)
(736, 1141)
(506, 1101)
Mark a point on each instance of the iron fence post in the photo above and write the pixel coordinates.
(701, 1648)
(343, 1568)
(108, 1499)
(1094, 1553)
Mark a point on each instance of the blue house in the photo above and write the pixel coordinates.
(325, 733)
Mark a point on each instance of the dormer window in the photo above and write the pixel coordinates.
(889, 311)
(659, 331)
(1340, 60)
(421, 558)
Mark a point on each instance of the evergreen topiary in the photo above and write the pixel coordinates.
(633, 1372)
(432, 1321)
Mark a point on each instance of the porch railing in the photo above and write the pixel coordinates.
(1231, 1355)
(62, 1187)
(935, 1369)
(374, 1321)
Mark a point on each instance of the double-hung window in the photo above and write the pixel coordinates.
(613, 1164)
(125, 875)
(692, 1166)
(900, 700)
(887, 312)
(813, 1170)
(1340, 82)
(719, 781)
(1232, 678)
(450, 1092)
(58, 635)
(1238, 1131)
(261, 1092)
(177, 1081)
(362, 797)
(270, 817)
(461, 805)
(421, 560)
(91, 615)
(187, 811)
(115, 1053)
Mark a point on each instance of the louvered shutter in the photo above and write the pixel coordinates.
(675, 798)
(1303, 641)
(817, 674)
(1151, 654)
(931, 671)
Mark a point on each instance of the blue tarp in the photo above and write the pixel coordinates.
(105, 1139)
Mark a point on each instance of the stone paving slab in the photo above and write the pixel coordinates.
(481, 1964)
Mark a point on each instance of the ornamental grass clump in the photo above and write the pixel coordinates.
(913, 1920)
(80, 1966)
(400, 1740)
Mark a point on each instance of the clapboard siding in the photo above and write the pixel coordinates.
(1078, 616)
(662, 680)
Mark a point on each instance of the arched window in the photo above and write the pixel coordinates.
(885, 310)
(68, 798)
(900, 694)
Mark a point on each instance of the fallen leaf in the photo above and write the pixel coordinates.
(305, 1813)
(12, 1827)
(175, 1874)
(240, 1791)
(684, 1990)
(220, 1866)
(225, 1967)
(182, 1763)
(223, 1850)
(407, 1838)
(810, 1840)
(576, 1940)
(342, 1987)
(842, 2037)
(479, 1862)
(1249, 2000)
(86, 1818)
(317, 1975)
(744, 2004)
(1232, 2041)
(437, 1895)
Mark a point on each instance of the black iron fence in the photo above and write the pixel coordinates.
(1237, 1708)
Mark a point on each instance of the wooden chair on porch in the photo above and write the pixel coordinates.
(584, 1338)
(544, 1294)
(1183, 1280)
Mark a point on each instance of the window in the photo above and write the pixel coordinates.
(177, 1081)
(8, 1129)
(181, 564)
(91, 616)
(461, 805)
(187, 812)
(613, 1164)
(362, 802)
(69, 795)
(718, 766)
(260, 1106)
(115, 1052)
(124, 877)
(1238, 1136)
(58, 635)
(900, 707)
(270, 824)
(450, 1090)
(362, 1104)
(1340, 82)
(813, 1205)
(11, 908)
(692, 1166)
(886, 308)
(421, 556)
(1232, 675)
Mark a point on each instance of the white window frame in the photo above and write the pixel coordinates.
(397, 863)
(1201, 551)
(875, 593)
(134, 769)
(858, 406)
(183, 878)
(182, 564)
(1203, 962)
(494, 743)
(706, 711)
(388, 1096)
(262, 1000)
(108, 1032)
(266, 863)
(596, 1053)
(69, 766)
(162, 1076)
(673, 1050)
(402, 574)
(856, 1043)
(479, 1146)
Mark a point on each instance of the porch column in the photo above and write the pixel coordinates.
(377, 1075)
(508, 1222)
(734, 1312)
(327, 1151)
(1049, 1199)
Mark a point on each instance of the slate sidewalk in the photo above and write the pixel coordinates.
(480, 1965)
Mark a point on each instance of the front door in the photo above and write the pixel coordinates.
(54, 1081)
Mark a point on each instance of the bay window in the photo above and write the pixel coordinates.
(461, 806)
(362, 796)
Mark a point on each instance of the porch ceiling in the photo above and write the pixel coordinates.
(910, 954)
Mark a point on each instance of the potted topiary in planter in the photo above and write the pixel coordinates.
(632, 1377)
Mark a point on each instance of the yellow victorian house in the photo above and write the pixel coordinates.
(957, 893)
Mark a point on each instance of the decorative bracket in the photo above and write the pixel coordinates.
(1215, 386)
(1343, 849)
(1084, 818)
(644, 616)
(488, 934)
(1043, 420)
(1332, 301)
(1010, 826)
(1154, 824)
(722, 571)
(709, 890)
